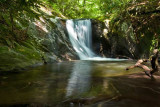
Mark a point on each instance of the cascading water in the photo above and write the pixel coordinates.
(80, 35)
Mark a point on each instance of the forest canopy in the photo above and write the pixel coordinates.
(95, 9)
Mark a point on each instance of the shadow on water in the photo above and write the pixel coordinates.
(80, 83)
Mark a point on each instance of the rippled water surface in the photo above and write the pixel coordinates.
(76, 83)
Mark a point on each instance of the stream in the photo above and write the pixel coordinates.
(79, 83)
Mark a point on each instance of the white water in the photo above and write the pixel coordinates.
(80, 35)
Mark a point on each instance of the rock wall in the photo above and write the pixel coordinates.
(134, 33)
(100, 44)
(46, 42)
(57, 43)
(136, 30)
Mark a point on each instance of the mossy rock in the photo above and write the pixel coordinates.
(18, 58)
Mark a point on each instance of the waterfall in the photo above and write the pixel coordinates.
(80, 35)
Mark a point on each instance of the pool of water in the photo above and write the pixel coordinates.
(76, 83)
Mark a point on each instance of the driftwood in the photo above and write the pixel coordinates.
(147, 70)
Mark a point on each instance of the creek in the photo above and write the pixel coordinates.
(79, 83)
(64, 82)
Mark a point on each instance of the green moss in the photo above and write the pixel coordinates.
(18, 57)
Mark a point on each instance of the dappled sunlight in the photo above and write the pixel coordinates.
(113, 69)
(41, 25)
(46, 10)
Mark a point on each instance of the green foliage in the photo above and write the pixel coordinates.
(96, 9)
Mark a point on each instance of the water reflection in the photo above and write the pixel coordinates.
(79, 81)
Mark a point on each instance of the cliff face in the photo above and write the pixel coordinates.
(42, 40)
(56, 44)
(101, 45)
